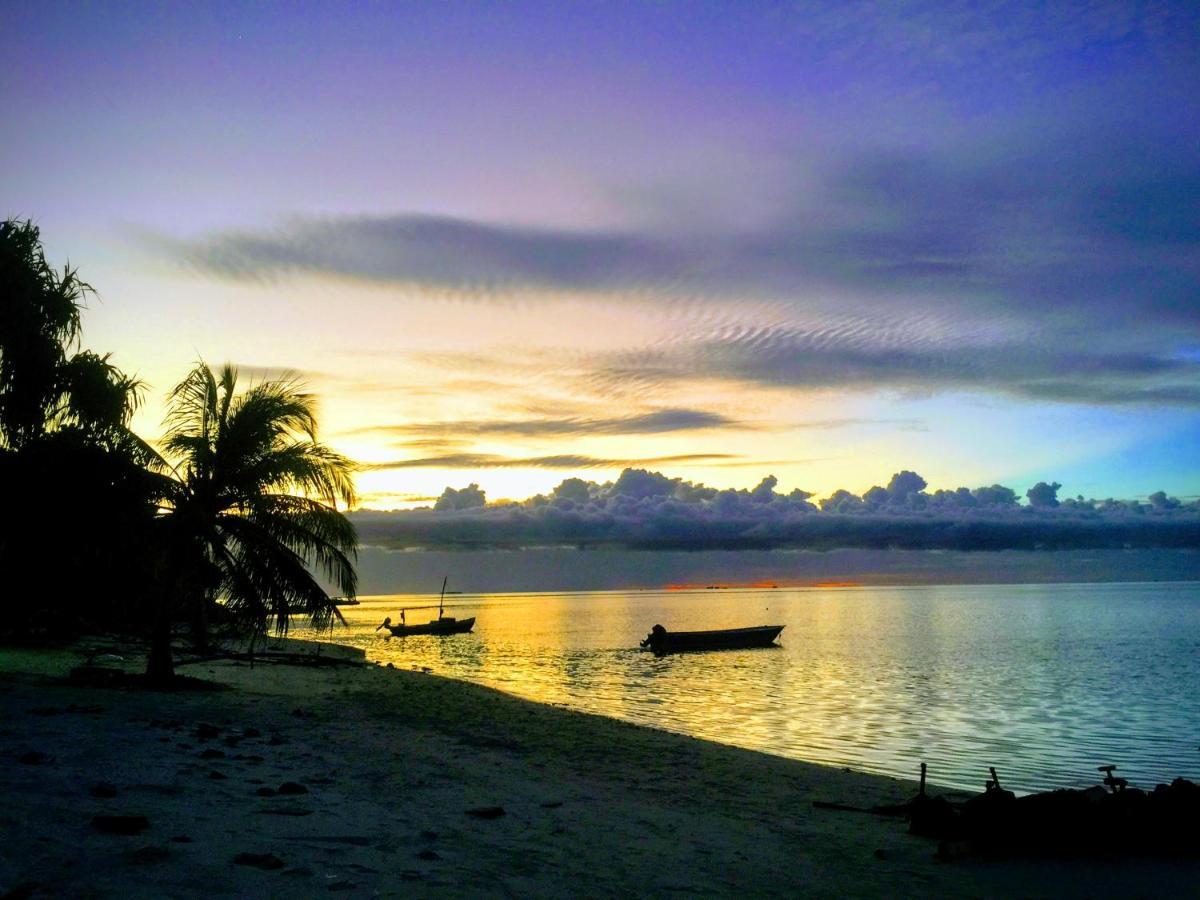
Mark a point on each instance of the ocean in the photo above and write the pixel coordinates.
(1044, 682)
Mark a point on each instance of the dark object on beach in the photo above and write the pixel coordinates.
(265, 792)
(1094, 822)
(212, 753)
(103, 790)
(268, 861)
(292, 787)
(34, 758)
(486, 812)
(125, 825)
(933, 817)
(1111, 780)
(929, 816)
(662, 641)
(429, 855)
(205, 731)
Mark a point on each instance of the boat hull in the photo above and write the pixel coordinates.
(438, 627)
(723, 639)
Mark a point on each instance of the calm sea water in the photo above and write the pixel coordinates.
(1044, 682)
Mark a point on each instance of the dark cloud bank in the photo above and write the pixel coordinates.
(649, 511)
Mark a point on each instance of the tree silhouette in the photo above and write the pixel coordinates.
(77, 495)
(251, 510)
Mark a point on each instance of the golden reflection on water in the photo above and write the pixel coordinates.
(1044, 682)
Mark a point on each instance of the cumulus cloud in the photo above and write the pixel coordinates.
(649, 510)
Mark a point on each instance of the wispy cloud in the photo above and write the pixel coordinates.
(427, 249)
(1050, 258)
(876, 358)
(1002, 226)
(562, 461)
(657, 422)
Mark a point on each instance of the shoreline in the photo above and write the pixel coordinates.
(392, 761)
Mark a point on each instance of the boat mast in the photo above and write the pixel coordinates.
(442, 599)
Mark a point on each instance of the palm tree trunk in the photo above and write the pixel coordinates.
(200, 622)
(160, 665)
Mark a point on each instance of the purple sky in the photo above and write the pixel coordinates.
(828, 241)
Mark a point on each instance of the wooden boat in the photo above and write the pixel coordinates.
(442, 625)
(662, 641)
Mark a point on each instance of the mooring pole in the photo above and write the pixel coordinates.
(921, 792)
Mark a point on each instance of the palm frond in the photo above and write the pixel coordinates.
(192, 404)
(271, 580)
(303, 467)
(323, 537)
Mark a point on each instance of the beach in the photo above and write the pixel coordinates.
(304, 781)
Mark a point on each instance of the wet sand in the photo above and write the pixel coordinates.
(413, 785)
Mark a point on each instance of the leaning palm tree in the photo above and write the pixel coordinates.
(252, 515)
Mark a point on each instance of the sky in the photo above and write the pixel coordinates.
(512, 243)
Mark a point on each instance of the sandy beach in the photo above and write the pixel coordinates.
(302, 781)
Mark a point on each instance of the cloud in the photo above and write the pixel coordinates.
(658, 422)
(428, 444)
(648, 510)
(426, 249)
(1050, 255)
(562, 461)
(830, 424)
(1096, 216)
(874, 356)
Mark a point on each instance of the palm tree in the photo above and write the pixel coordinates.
(252, 511)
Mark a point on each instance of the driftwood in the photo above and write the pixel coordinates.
(275, 656)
